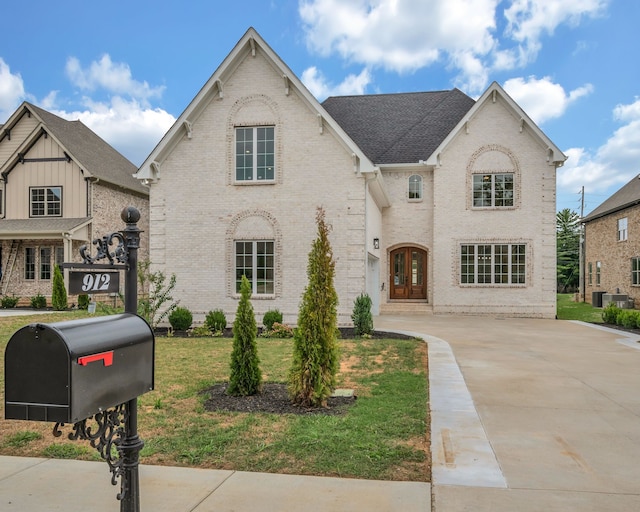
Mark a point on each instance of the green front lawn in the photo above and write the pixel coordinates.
(383, 435)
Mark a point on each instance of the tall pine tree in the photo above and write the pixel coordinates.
(246, 377)
(312, 377)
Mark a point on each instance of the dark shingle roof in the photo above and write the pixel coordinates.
(399, 128)
(91, 152)
(627, 196)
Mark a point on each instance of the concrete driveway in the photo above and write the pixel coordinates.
(531, 415)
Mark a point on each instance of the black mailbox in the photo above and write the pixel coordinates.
(66, 372)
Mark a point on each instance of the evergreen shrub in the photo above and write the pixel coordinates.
(9, 302)
(216, 321)
(180, 319)
(245, 378)
(271, 317)
(59, 293)
(362, 319)
(38, 301)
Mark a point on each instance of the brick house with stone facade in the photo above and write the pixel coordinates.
(612, 245)
(438, 203)
(61, 186)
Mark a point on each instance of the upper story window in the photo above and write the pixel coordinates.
(46, 202)
(255, 153)
(622, 229)
(415, 187)
(493, 190)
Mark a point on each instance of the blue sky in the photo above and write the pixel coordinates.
(128, 69)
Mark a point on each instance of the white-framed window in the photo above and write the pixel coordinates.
(623, 233)
(255, 259)
(255, 153)
(415, 187)
(598, 272)
(590, 273)
(45, 201)
(45, 263)
(635, 271)
(493, 190)
(59, 256)
(493, 263)
(29, 263)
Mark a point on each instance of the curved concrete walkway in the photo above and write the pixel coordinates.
(553, 423)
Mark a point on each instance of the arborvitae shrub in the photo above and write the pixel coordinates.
(180, 319)
(362, 319)
(59, 293)
(83, 301)
(312, 376)
(245, 378)
(271, 317)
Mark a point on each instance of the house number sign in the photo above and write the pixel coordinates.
(94, 282)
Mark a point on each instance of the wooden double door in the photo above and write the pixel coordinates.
(408, 273)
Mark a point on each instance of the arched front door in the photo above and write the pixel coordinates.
(408, 273)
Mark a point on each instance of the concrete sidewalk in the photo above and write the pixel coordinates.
(47, 485)
(526, 415)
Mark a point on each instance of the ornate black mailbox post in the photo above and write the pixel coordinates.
(118, 428)
(108, 359)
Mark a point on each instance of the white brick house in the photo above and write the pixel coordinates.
(438, 202)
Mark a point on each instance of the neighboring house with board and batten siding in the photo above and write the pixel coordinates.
(61, 186)
(438, 203)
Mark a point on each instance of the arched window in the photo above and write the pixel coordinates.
(415, 187)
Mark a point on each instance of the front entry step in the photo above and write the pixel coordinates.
(406, 308)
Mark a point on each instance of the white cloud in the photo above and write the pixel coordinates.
(542, 99)
(113, 77)
(529, 20)
(129, 127)
(406, 35)
(11, 91)
(614, 163)
(317, 83)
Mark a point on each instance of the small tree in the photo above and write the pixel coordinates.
(362, 319)
(312, 376)
(59, 293)
(156, 302)
(246, 377)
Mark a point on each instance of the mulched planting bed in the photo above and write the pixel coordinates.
(273, 399)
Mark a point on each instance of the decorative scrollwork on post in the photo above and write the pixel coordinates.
(119, 255)
(105, 432)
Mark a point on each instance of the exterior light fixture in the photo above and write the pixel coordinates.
(376, 243)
